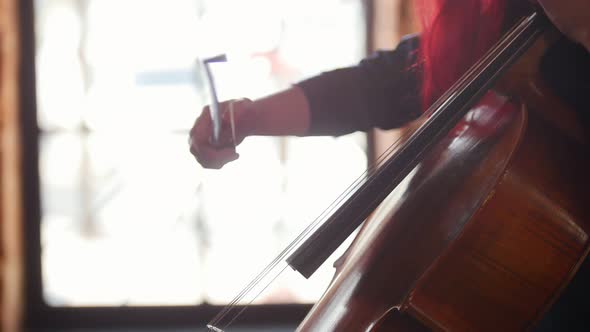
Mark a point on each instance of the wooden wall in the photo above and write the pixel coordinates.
(11, 265)
(392, 19)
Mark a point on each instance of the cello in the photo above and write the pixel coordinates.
(489, 228)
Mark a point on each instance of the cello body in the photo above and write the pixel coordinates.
(486, 232)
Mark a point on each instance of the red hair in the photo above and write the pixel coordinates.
(455, 33)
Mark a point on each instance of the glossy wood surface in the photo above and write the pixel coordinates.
(489, 229)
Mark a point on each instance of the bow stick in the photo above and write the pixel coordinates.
(214, 107)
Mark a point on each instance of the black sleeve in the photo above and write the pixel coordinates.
(381, 91)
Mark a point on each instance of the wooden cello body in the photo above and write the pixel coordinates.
(488, 230)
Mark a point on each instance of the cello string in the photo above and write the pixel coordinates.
(280, 256)
(450, 95)
(306, 231)
(260, 292)
(310, 228)
(371, 167)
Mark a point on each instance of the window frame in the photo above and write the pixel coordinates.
(37, 313)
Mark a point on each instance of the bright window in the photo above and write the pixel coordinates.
(128, 216)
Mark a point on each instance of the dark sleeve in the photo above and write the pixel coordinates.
(381, 91)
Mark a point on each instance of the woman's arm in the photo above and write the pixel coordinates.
(283, 113)
(381, 91)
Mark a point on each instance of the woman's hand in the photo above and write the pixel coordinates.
(213, 156)
(572, 17)
(283, 113)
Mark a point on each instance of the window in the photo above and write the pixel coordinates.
(127, 217)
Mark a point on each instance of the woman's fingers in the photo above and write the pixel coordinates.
(237, 123)
(213, 158)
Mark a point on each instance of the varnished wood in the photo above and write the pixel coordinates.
(489, 230)
(11, 255)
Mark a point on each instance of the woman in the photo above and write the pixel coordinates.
(384, 90)
(391, 88)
